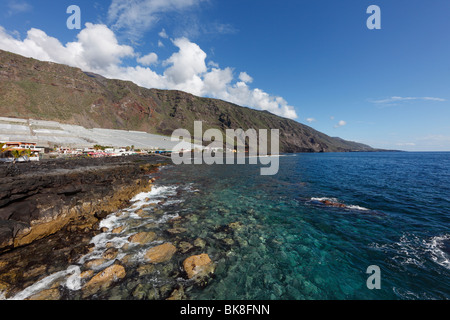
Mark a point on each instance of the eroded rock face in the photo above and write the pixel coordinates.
(45, 198)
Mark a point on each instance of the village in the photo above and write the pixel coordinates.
(25, 140)
(29, 151)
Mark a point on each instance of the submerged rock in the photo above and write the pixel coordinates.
(177, 294)
(199, 242)
(228, 241)
(142, 237)
(174, 231)
(141, 290)
(86, 274)
(118, 230)
(146, 269)
(185, 247)
(236, 225)
(199, 266)
(161, 253)
(111, 253)
(49, 294)
(94, 263)
(220, 235)
(104, 279)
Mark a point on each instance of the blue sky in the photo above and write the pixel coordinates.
(311, 60)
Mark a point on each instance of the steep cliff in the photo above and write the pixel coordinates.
(47, 91)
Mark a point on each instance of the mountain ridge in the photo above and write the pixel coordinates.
(49, 91)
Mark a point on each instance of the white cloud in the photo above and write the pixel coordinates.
(186, 67)
(244, 77)
(311, 120)
(163, 34)
(241, 94)
(15, 7)
(217, 81)
(213, 64)
(138, 16)
(406, 144)
(341, 123)
(97, 50)
(433, 99)
(396, 99)
(148, 60)
(100, 48)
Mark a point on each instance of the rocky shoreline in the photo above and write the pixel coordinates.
(49, 211)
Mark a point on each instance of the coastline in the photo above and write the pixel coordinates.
(231, 224)
(50, 211)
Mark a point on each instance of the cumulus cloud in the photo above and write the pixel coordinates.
(240, 93)
(311, 120)
(98, 50)
(98, 47)
(217, 81)
(148, 60)
(186, 64)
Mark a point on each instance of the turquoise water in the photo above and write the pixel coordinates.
(272, 238)
(290, 246)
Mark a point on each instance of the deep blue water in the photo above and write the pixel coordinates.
(291, 246)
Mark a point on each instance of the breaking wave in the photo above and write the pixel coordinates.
(439, 250)
(413, 250)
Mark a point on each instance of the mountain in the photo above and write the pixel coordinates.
(48, 91)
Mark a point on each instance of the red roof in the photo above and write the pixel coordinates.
(19, 143)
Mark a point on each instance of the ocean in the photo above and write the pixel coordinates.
(275, 238)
